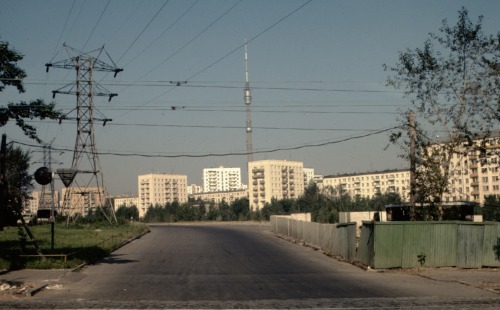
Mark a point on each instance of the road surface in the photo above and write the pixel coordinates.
(235, 265)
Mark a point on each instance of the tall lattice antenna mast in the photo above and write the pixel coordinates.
(248, 101)
(87, 191)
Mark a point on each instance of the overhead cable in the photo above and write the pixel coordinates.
(310, 145)
(143, 30)
(97, 23)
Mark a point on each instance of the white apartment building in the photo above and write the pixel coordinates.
(308, 176)
(125, 201)
(81, 200)
(279, 179)
(194, 189)
(370, 184)
(218, 197)
(221, 179)
(41, 200)
(474, 175)
(160, 189)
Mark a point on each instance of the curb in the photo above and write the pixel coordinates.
(34, 291)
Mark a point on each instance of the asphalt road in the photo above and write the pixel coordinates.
(243, 266)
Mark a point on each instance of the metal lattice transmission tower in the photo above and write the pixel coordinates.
(86, 192)
(248, 101)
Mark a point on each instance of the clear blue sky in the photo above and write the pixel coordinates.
(316, 77)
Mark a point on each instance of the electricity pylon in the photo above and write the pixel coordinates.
(86, 192)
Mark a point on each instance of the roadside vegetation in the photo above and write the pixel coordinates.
(76, 244)
(324, 206)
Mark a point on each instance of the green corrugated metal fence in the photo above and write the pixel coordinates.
(402, 244)
(429, 244)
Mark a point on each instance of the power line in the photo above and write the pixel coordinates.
(193, 39)
(54, 53)
(163, 33)
(95, 26)
(250, 40)
(291, 148)
(234, 50)
(143, 30)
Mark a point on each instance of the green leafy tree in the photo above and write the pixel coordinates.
(127, 213)
(18, 185)
(201, 211)
(453, 82)
(241, 209)
(213, 212)
(225, 212)
(491, 209)
(12, 75)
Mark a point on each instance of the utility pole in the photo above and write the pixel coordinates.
(3, 182)
(85, 162)
(412, 135)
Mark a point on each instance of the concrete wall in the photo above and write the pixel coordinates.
(360, 217)
(335, 239)
(305, 217)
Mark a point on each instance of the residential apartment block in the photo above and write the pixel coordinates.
(41, 200)
(474, 174)
(370, 184)
(308, 176)
(82, 200)
(221, 179)
(160, 189)
(279, 179)
(125, 201)
(218, 197)
(194, 189)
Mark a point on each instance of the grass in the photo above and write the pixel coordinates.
(73, 245)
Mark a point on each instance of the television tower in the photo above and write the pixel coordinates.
(85, 189)
(248, 101)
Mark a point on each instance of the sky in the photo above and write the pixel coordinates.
(318, 87)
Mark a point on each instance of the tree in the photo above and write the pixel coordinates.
(241, 209)
(453, 82)
(12, 75)
(127, 213)
(17, 186)
(15, 183)
(491, 209)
